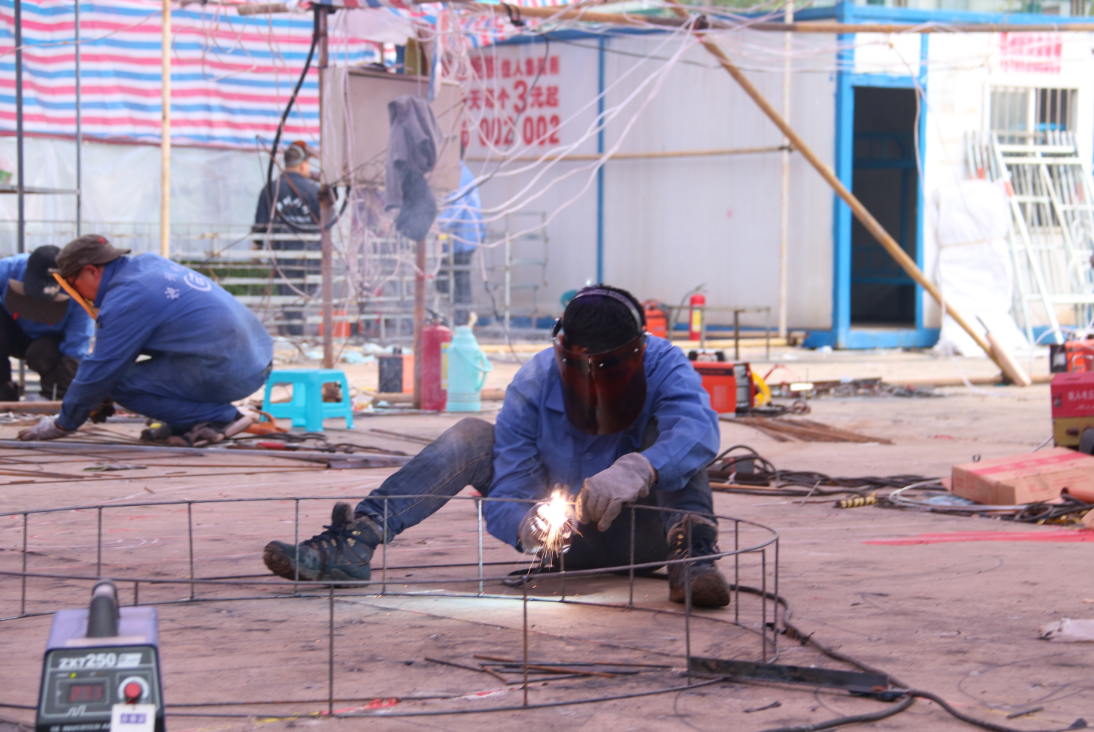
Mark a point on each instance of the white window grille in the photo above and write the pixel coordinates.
(1023, 115)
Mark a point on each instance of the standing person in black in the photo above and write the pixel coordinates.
(287, 206)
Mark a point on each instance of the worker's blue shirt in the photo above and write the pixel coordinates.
(75, 328)
(462, 218)
(536, 447)
(150, 305)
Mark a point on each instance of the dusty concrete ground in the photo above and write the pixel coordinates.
(948, 604)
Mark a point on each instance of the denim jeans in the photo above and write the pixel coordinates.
(464, 455)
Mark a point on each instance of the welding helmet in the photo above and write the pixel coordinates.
(37, 296)
(603, 392)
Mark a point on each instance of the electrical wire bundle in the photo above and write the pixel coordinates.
(741, 469)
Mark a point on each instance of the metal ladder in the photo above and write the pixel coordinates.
(1051, 196)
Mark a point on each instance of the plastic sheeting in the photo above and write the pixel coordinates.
(974, 269)
(210, 189)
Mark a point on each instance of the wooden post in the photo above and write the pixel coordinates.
(860, 212)
(784, 219)
(165, 133)
(419, 317)
(326, 195)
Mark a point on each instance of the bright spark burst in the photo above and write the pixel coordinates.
(554, 520)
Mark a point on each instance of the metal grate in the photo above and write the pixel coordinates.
(1021, 115)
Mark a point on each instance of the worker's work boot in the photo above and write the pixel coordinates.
(342, 552)
(708, 587)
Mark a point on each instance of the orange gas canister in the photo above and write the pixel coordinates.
(695, 316)
(720, 381)
(434, 395)
(656, 322)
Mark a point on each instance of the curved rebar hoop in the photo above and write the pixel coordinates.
(304, 589)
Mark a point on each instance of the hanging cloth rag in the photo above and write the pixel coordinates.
(411, 154)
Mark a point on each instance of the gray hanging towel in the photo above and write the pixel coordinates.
(411, 153)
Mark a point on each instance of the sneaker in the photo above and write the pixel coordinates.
(342, 552)
(709, 587)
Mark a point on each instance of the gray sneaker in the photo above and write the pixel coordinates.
(342, 552)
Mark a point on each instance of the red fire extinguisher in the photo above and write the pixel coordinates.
(433, 395)
(695, 316)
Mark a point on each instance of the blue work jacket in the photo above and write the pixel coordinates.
(150, 305)
(535, 446)
(75, 328)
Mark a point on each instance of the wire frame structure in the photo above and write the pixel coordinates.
(754, 556)
(1051, 194)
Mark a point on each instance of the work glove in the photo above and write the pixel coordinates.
(535, 527)
(603, 495)
(46, 429)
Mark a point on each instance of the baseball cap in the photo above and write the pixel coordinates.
(88, 249)
(37, 282)
(296, 153)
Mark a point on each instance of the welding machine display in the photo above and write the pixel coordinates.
(101, 669)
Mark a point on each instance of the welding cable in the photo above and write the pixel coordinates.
(855, 719)
(288, 107)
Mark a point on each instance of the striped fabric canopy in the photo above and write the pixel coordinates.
(231, 75)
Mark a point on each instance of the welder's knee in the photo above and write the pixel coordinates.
(473, 430)
(43, 355)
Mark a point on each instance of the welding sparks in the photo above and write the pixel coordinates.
(555, 524)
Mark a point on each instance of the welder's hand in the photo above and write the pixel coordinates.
(103, 411)
(603, 495)
(46, 429)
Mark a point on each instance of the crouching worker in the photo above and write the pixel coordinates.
(205, 348)
(39, 324)
(612, 412)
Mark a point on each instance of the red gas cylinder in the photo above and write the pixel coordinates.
(656, 322)
(695, 316)
(433, 395)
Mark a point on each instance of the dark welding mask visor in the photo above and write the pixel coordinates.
(603, 392)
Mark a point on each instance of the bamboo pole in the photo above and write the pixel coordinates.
(861, 213)
(784, 202)
(653, 155)
(165, 133)
(589, 16)
(326, 213)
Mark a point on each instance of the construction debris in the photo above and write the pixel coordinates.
(784, 429)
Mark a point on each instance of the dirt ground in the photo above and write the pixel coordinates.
(947, 604)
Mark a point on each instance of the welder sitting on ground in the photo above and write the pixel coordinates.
(645, 436)
(206, 349)
(39, 324)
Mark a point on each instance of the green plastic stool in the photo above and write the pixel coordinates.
(307, 408)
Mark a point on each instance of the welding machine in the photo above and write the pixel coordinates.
(729, 384)
(102, 669)
(1071, 356)
(1073, 410)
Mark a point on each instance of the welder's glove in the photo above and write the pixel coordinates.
(603, 495)
(46, 429)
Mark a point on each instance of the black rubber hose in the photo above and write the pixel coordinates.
(1078, 724)
(288, 107)
(840, 721)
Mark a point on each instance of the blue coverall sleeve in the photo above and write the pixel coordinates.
(519, 471)
(7, 266)
(688, 436)
(78, 331)
(124, 327)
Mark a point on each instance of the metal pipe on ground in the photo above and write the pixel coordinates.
(860, 212)
(70, 448)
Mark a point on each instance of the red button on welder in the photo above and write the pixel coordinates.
(133, 692)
